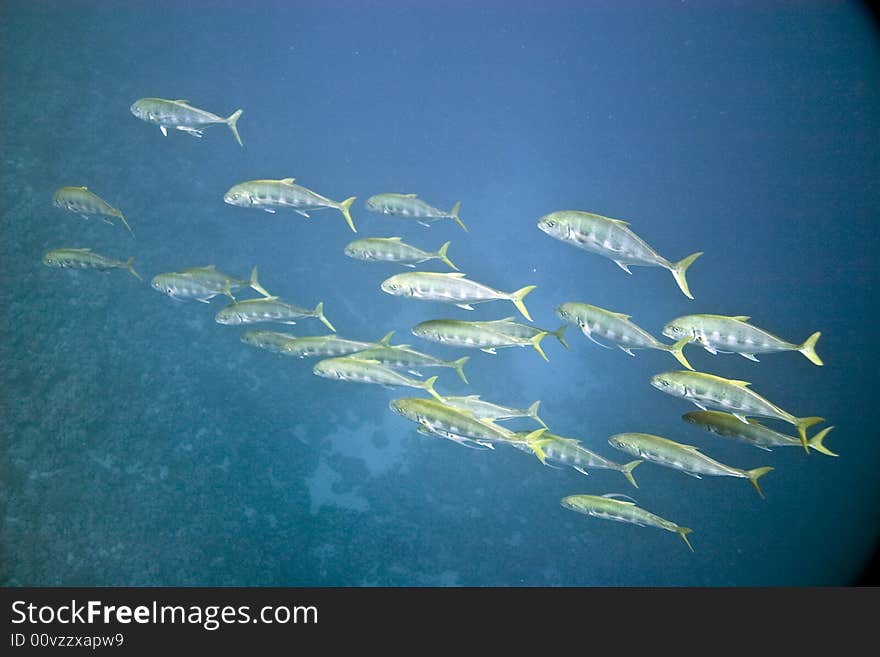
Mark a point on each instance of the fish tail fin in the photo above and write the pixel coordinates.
(254, 283)
(129, 265)
(677, 350)
(428, 384)
(559, 333)
(683, 532)
(678, 270)
(808, 348)
(343, 208)
(231, 122)
(755, 474)
(536, 343)
(319, 313)
(816, 442)
(627, 470)
(227, 290)
(534, 440)
(459, 367)
(454, 214)
(533, 413)
(124, 222)
(804, 423)
(517, 298)
(442, 255)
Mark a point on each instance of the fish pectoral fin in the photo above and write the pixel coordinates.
(489, 350)
(414, 372)
(269, 210)
(303, 213)
(424, 223)
(749, 356)
(712, 350)
(692, 474)
(581, 470)
(289, 321)
(465, 306)
(700, 406)
(626, 349)
(164, 130)
(740, 417)
(202, 300)
(106, 221)
(191, 131)
(406, 264)
(623, 266)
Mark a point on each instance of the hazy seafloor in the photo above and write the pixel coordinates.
(144, 444)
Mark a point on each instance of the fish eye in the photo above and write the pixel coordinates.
(550, 223)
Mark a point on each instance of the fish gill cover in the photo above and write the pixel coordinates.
(146, 443)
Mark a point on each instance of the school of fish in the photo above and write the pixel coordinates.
(470, 420)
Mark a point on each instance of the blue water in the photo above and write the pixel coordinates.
(144, 444)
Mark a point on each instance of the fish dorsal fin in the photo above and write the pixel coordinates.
(371, 361)
(619, 222)
(742, 318)
(84, 188)
(399, 346)
(503, 320)
(84, 250)
(387, 339)
(741, 384)
(690, 448)
(452, 274)
(620, 497)
(269, 298)
(210, 267)
(394, 239)
(181, 100)
(287, 181)
(621, 315)
(408, 195)
(471, 397)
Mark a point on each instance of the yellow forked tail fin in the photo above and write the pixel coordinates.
(442, 255)
(129, 265)
(344, 209)
(459, 367)
(816, 442)
(804, 423)
(536, 343)
(755, 474)
(319, 313)
(677, 350)
(683, 532)
(559, 333)
(678, 270)
(517, 298)
(454, 214)
(808, 348)
(536, 443)
(231, 122)
(428, 385)
(627, 471)
(533, 413)
(254, 283)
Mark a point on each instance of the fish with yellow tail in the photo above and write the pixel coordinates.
(410, 205)
(86, 203)
(617, 328)
(394, 249)
(182, 116)
(613, 239)
(87, 259)
(349, 368)
(203, 283)
(451, 288)
(405, 357)
(754, 433)
(508, 326)
(483, 409)
(723, 334)
(735, 397)
(268, 195)
(463, 427)
(622, 510)
(458, 333)
(686, 458)
(268, 309)
(569, 452)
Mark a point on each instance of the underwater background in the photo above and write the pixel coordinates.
(144, 444)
